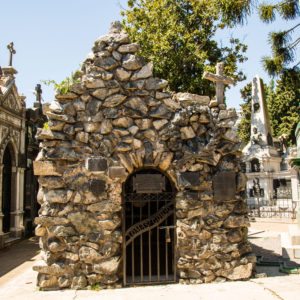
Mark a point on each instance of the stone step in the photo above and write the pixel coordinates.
(289, 251)
(10, 241)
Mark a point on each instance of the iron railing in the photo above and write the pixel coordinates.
(281, 205)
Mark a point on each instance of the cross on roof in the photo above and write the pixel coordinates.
(220, 79)
(39, 91)
(12, 51)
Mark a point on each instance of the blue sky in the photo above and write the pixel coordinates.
(52, 38)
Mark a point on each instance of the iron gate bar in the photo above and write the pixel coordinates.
(149, 248)
(132, 248)
(158, 252)
(167, 265)
(141, 245)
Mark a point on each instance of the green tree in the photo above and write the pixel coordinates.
(178, 36)
(284, 107)
(244, 127)
(283, 44)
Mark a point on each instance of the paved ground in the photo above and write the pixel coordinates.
(21, 253)
(18, 282)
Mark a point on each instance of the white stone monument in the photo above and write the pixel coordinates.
(266, 168)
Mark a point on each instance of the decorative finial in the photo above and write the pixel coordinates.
(12, 51)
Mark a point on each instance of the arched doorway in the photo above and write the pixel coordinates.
(8, 162)
(149, 235)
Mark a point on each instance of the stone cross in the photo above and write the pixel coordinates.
(220, 79)
(12, 51)
(39, 92)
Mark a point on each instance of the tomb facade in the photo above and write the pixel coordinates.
(12, 156)
(18, 149)
(138, 185)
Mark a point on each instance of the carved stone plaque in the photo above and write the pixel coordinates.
(117, 172)
(96, 164)
(149, 183)
(224, 186)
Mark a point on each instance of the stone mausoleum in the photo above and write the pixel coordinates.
(12, 157)
(138, 185)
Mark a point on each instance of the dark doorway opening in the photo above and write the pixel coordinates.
(6, 188)
(149, 235)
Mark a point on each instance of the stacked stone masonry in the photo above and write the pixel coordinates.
(119, 119)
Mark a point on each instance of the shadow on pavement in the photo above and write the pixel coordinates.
(15, 255)
(269, 260)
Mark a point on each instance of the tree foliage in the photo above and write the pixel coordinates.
(178, 36)
(284, 105)
(282, 43)
(63, 87)
(244, 127)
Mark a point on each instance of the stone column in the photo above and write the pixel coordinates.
(269, 188)
(248, 167)
(18, 183)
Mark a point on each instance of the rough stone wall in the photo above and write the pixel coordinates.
(118, 119)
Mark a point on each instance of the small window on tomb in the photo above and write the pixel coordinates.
(243, 167)
(255, 165)
(251, 193)
(284, 166)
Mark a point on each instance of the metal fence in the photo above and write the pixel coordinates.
(280, 206)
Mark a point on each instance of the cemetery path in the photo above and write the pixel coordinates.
(19, 282)
(22, 286)
(17, 255)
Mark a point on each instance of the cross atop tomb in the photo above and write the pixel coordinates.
(38, 94)
(12, 51)
(220, 79)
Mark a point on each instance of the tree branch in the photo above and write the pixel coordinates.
(293, 28)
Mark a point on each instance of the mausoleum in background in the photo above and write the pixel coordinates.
(18, 149)
(273, 185)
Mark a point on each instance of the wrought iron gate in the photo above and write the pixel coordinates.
(148, 229)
